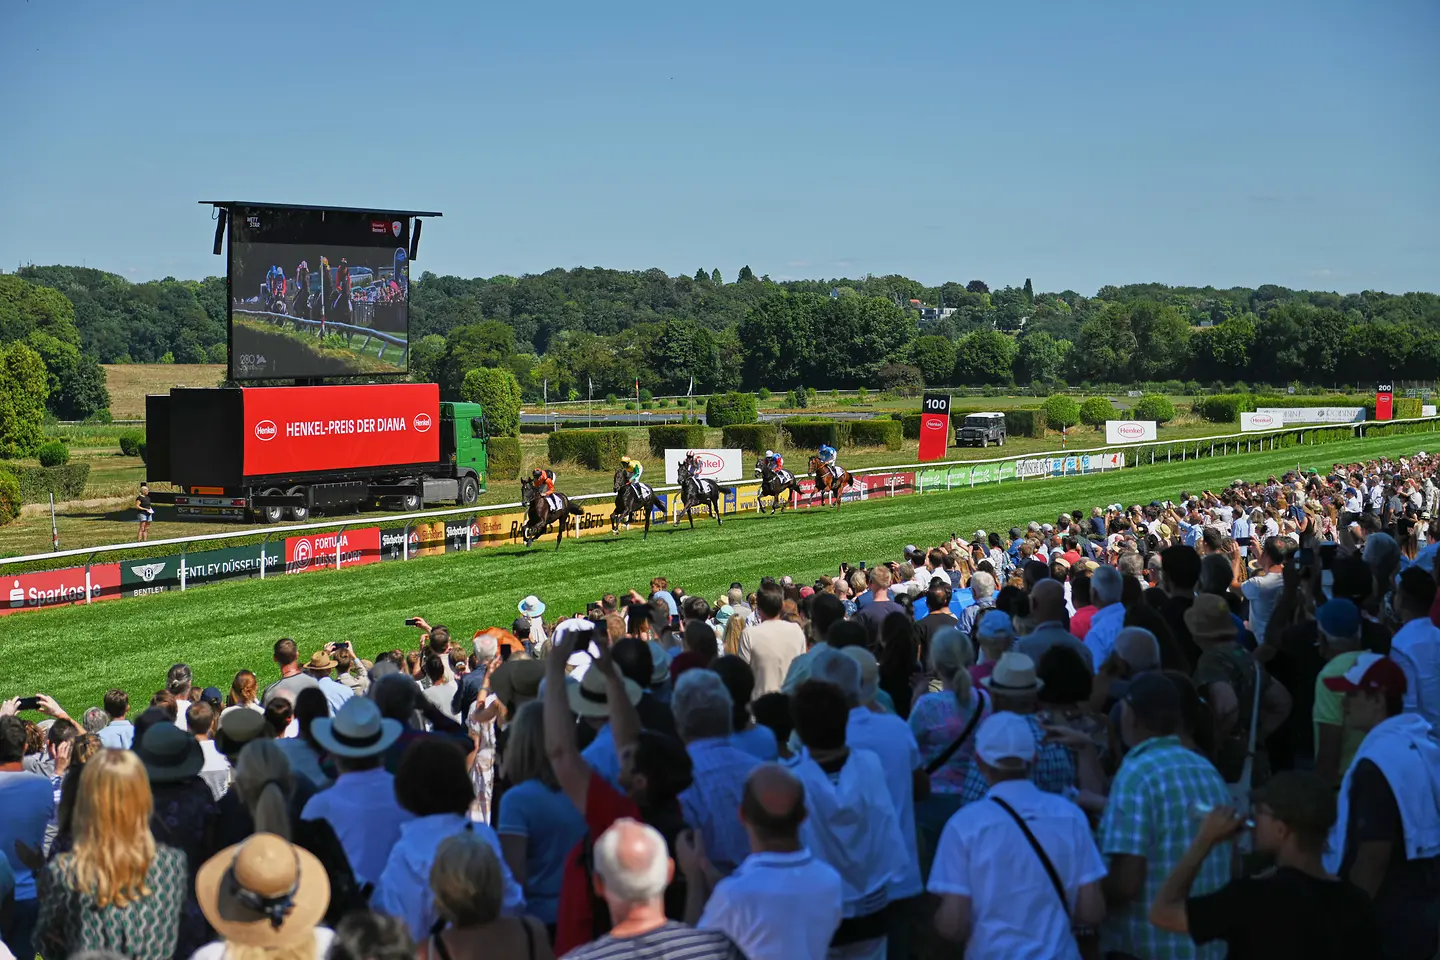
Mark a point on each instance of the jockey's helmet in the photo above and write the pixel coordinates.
(769, 453)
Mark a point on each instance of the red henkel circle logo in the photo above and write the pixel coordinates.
(708, 463)
(265, 430)
(933, 423)
(1130, 430)
(422, 422)
(1262, 420)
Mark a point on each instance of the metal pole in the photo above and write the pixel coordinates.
(262, 555)
(339, 536)
(405, 543)
(54, 530)
(182, 568)
(88, 560)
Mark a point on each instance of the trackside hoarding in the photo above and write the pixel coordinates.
(1129, 431)
(56, 588)
(294, 429)
(722, 466)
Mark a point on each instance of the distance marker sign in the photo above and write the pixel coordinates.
(934, 426)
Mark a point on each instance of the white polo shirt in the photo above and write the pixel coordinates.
(890, 739)
(777, 906)
(983, 854)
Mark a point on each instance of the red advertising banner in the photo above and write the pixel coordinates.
(1385, 402)
(294, 429)
(317, 551)
(934, 426)
(53, 588)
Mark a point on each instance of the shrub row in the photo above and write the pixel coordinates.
(675, 436)
(809, 433)
(67, 481)
(130, 443)
(503, 456)
(1224, 407)
(596, 449)
(1025, 423)
(877, 433)
(9, 496)
(753, 438)
(724, 410)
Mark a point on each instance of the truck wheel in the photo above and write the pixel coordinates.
(298, 514)
(984, 441)
(410, 502)
(469, 492)
(1000, 442)
(271, 514)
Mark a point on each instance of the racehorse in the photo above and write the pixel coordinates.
(697, 490)
(772, 484)
(827, 482)
(540, 512)
(630, 497)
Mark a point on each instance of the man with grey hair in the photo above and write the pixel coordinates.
(632, 870)
(1132, 565)
(95, 720)
(1106, 586)
(982, 588)
(704, 720)
(1047, 611)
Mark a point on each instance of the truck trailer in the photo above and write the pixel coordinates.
(271, 453)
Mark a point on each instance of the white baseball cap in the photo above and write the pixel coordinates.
(1005, 738)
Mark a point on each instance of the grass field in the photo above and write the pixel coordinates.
(129, 383)
(75, 653)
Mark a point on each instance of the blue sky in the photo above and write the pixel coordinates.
(1075, 143)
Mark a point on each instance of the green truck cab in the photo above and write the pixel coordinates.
(463, 433)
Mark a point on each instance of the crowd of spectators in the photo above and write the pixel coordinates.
(1167, 731)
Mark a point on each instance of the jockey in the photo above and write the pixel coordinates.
(544, 481)
(826, 455)
(776, 462)
(632, 469)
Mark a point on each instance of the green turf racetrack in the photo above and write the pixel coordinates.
(76, 653)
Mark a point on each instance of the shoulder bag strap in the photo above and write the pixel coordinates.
(944, 756)
(1248, 771)
(1039, 852)
(529, 938)
(442, 951)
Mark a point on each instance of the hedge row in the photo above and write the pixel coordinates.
(877, 433)
(1224, 407)
(1227, 407)
(503, 457)
(9, 497)
(67, 482)
(808, 433)
(909, 424)
(596, 449)
(728, 409)
(753, 438)
(130, 443)
(676, 437)
(1025, 423)
(1406, 408)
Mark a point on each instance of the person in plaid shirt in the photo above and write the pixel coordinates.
(1013, 686)
(1147, 825)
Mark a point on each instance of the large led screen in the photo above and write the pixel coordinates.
(318, 293)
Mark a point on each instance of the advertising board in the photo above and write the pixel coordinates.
(294, 429)
(159, 574)
(1427, 410)
(317, 551)
(722, 466)
(1129, 431)
(1290, 416)
(54, 588)
(1257, 421)
(934, 426)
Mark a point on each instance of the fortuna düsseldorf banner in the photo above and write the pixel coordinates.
(1385, 401)
(294, 429)
(934, 426)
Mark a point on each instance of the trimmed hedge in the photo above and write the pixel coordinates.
(808, 433)
(596, 449)
(503, 456)
(9, 497)
(1405, 408)
(1096, 410)
(53, 454)
(37, 483)
(877, 433)
(909, 424)
(1154, 406)
(130, 443)
(753, 438)
(1025, 423)
(1224, 407)
(673, 436)
(724, 410)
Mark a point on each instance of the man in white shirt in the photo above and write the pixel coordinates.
(996, 895)
(1416, 645)
(200, 719)
(782, 902)
(771, 644)
(1263, 591)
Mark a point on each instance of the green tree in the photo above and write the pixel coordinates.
(489, 343)
(1095, 411)
(76, 383)
(715, 277)
(425, 356)
(23, 391)
(1154, 406)
(498, 393)
(977, 286)
(745, 274)
(701, 276)
(1041, 357)
(27, 307)
(1061, 411)
(1029, 291)
(985, 357)
(935, 357)
(1162, 341)
(9, 496)
(1223, 352)
(778, 339)
(1106, 345)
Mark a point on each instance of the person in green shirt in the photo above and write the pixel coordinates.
(1338, 623)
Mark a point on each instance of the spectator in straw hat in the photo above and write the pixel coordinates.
(264, 897)
(320, 668)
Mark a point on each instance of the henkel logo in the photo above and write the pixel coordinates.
(707, 464)
(396, 227)
(1262, 419)
(932, 423)
(1133, 430)
(421, 422)
(266, 430)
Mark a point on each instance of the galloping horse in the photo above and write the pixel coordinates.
(697, 490)
(540, 512)
(630, 497)
(772, 484)
(826, 480)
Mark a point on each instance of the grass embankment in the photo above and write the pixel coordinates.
(220, 629)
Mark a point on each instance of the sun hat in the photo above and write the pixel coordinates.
(1014, 673)
(1339, 618)
(1005, 739)
(263, 892)
(238, 726)
(1209, 617)
(356, 730)
(1370, 672)
(588, 697)
(532, 607)
(169, 753)
(869, 672)
(320, 660)
(723, 615)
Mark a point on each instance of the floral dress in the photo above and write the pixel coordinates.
(144, 929)
(482, 770)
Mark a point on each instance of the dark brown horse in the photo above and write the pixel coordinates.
(630, 497)
(695, 491)
(829, 481)
(772, 484)
(540, 512)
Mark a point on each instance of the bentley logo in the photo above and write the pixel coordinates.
(149, 571)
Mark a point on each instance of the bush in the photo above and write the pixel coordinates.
(1061, 411)
(1025, 423)
(37, 483)
(630, 405)
(877, 433)
(103, 415)
(646, 396)
(130, 443)
(53, 454)
(503, 456)
(753, 438)
(1223, 407)
(611, 398)
(646, 404)
(724, 410)
(910, 424)
(1154, 406)
(811, 394)
(675, 437)
(808, 433)
(764, 394)
(862, 395)
(596, 449)
(793, 401)
(663, 404)
(498, 393)
(9, 497)
(144, 451)
(1095, 411)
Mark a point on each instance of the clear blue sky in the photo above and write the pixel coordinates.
(1076, 143)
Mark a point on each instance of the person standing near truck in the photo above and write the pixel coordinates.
(147, 512)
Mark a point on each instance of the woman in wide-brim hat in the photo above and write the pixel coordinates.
(265, 895)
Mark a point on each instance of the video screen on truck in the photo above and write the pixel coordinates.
(318, 293)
